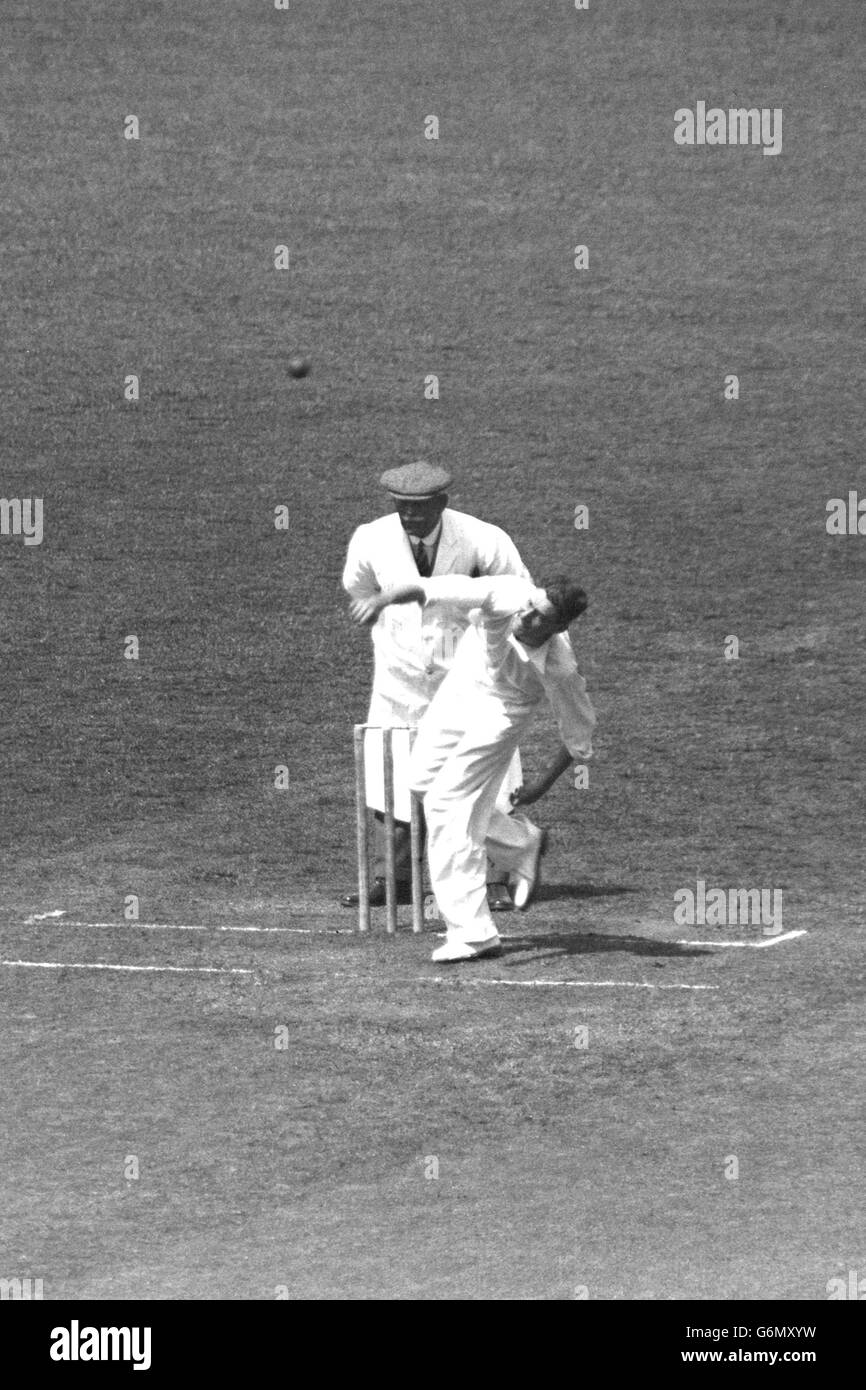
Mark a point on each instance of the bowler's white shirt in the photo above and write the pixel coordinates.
(491, 659)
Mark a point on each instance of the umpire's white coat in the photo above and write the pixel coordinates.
(414, 647)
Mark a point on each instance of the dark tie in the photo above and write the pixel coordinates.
(422, 560)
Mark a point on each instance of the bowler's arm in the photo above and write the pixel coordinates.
(524, 796)
(575, 717)
(497, 595)
(365, 610)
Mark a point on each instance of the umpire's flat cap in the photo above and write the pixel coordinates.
(416, 481)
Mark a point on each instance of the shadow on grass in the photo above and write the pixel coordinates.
(554, 945)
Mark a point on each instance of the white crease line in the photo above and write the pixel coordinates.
(96, 965)
(754, 945)
(553, 984)
(785, 936)
(198, 926)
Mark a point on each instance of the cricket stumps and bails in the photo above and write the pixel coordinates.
(362, 814)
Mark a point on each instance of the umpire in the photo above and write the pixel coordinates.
(413, 647)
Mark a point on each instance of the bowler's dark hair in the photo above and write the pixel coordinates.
(567, 597)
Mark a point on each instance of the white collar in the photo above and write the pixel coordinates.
(428, 540)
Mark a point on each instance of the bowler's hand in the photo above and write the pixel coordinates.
(525, 796)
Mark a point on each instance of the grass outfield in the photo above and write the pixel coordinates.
(559, 1167)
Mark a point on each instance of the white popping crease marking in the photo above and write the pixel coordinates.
(98, 965)
(784, 936)
(554, 984)
(188, 926)
(753, 945)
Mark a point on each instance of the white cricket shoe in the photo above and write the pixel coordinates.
(456, 949)
(523, 885)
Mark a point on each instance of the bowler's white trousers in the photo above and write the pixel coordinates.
(461, 753)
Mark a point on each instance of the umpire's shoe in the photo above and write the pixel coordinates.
(377, 894)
